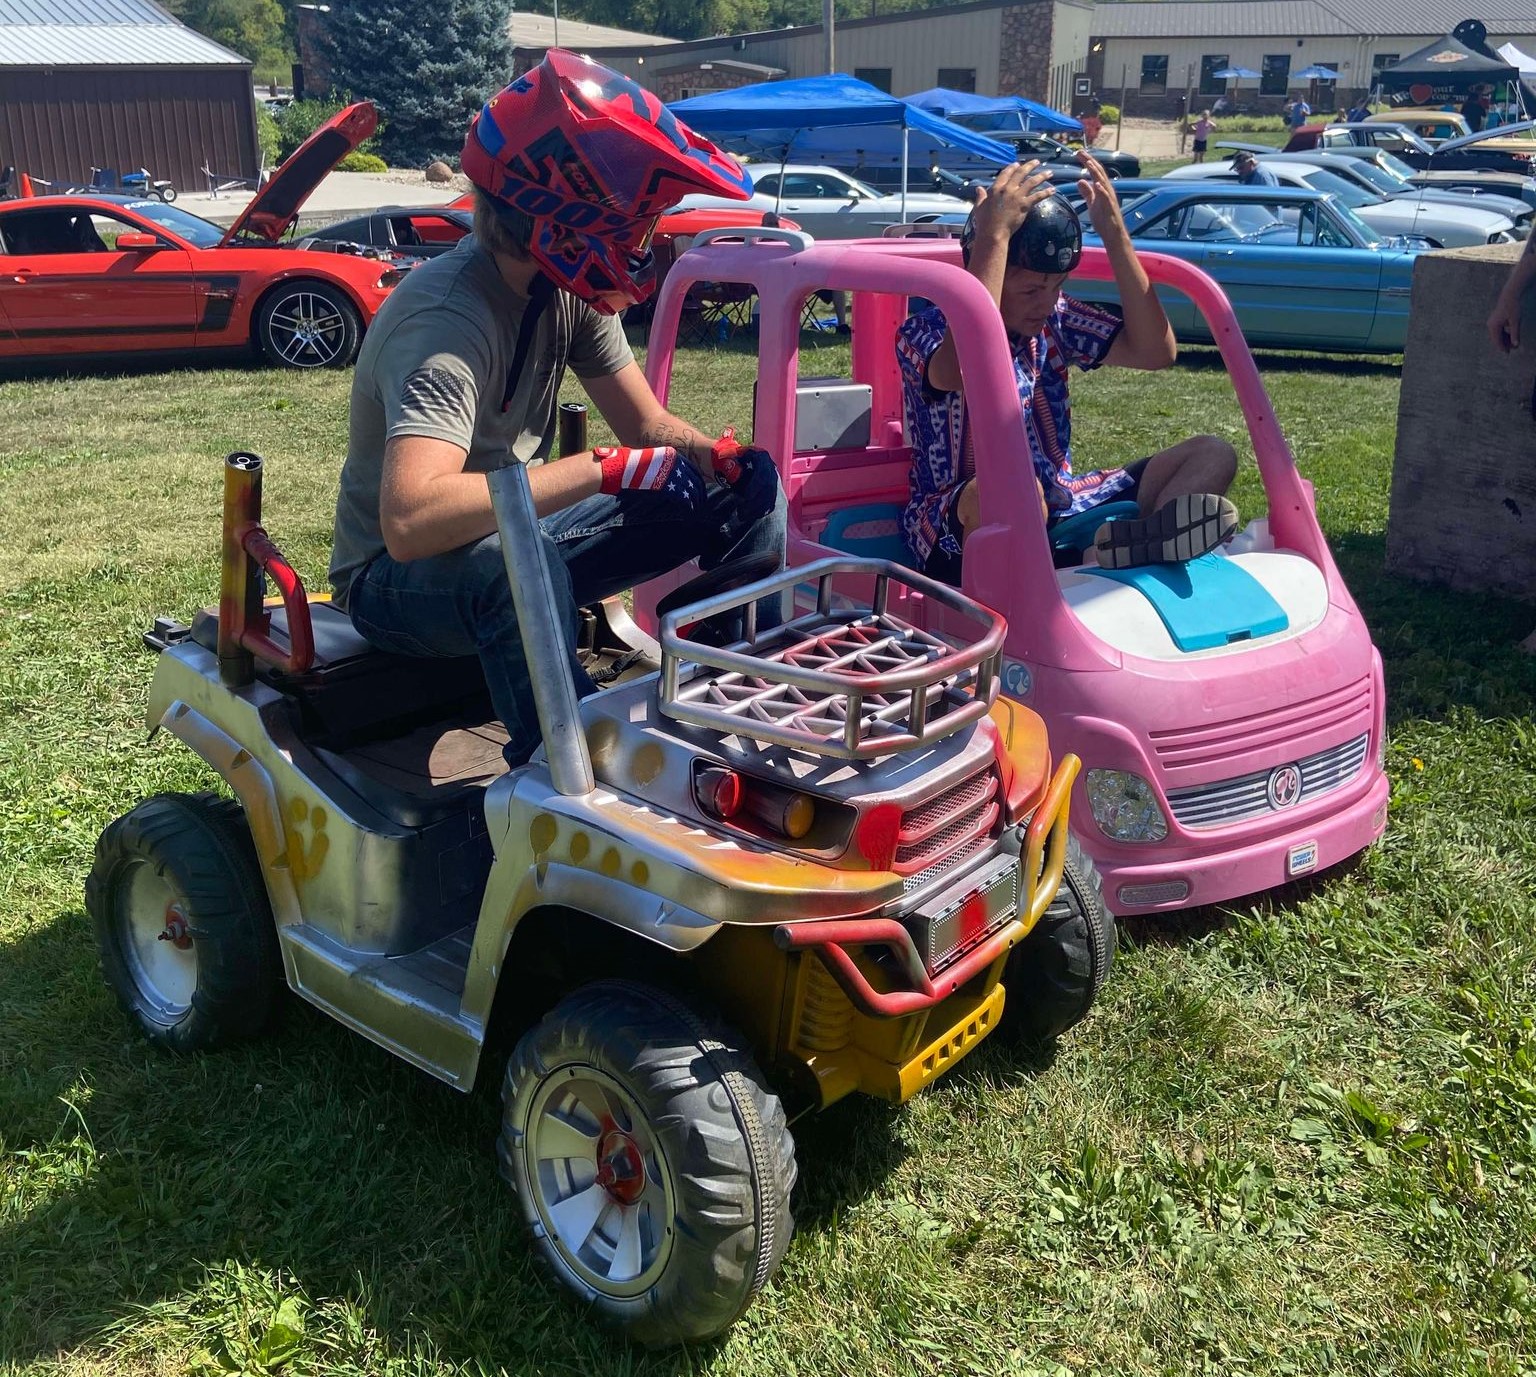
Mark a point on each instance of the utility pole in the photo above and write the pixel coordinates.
(827, 7)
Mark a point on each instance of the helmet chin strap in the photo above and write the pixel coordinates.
(541, 290)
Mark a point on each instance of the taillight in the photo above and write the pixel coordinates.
(391, 277)
(718, 792)
(726, 794)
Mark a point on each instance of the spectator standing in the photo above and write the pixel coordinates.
(1093, 122)
(1249, 173)
(1204, 127)
(1300, 111)
(1359, 111)
(1474, 111)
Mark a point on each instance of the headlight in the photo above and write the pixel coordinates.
(1125, 806)
(1502, 237)
(391, 277)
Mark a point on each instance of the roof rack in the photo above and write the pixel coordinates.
(846, 680)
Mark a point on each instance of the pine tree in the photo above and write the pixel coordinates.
(427, 68)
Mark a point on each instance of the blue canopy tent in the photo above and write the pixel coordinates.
(988, 113)
(829, 117)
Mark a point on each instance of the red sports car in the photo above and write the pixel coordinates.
(98, 274)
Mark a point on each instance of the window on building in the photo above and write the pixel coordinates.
(958, 78)
(1379, 63)
(1210, 83)
(1154, 74)
(875, 76)
(1275, 74)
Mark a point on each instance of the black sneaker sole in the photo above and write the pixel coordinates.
(1179, 530)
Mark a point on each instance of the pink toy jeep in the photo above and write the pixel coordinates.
(1229, 712)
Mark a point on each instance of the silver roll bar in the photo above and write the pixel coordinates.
(544, 638)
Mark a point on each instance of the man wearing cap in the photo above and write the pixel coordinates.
(1249, 173)
(1022, 241)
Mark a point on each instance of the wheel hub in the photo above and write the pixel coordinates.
(620, 1167)
(175, 931)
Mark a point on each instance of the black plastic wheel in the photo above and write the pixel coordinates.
(307, 324)
(1054, 975)
(653, 1165)
(182, 923)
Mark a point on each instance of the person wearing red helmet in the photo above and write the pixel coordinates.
(460, 374)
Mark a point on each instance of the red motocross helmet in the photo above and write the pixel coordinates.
(592, 159)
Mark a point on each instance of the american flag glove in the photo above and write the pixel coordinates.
(658, 468)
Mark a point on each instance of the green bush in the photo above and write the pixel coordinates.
(1250, 124)
(303, 117)
(268, 137)
(362, 162)
(1110, 114)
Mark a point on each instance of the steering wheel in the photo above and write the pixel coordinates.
(734, 573)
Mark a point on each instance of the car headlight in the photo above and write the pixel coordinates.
(1125, 806)
(1502, 237)
(391, 277)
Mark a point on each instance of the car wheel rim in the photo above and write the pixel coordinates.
(156, 942)
(599, 1181)
(307, 330)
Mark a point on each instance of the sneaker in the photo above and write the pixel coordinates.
(1182, 528)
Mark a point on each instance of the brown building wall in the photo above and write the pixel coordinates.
(60, 123)
(674, 85)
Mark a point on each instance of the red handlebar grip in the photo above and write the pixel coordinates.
(300, 654)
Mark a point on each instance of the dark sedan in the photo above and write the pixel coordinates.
(416, 231)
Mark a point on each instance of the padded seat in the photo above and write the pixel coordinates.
(354, 693)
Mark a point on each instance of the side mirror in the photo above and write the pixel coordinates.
(134, 242)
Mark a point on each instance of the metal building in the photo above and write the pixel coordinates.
(120, 84)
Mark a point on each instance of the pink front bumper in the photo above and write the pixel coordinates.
(1222, 875)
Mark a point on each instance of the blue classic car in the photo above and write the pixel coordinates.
(1302, 270)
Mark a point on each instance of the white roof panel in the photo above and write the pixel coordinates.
(110, 45)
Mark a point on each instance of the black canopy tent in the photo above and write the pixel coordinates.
(1445, 70)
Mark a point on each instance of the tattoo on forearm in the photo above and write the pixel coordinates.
(668, 430)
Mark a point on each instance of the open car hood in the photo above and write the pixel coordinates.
(275, 207)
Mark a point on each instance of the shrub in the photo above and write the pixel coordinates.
(1250, 124)
(362, 162)
(268, 136)
(303, 117)
(1110, 114)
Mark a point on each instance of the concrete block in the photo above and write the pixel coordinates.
(1464, 473)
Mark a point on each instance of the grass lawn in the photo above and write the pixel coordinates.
(1296, 1137)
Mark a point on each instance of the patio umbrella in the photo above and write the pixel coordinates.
(1235, 74)
(1313, 73)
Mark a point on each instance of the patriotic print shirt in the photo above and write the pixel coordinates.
(938, 429)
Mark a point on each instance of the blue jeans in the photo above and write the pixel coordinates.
(460, 603)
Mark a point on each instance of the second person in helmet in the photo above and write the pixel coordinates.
(460, 374)
(1022, 241)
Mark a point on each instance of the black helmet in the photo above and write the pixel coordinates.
(1049, 241)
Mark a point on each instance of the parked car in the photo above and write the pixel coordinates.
(1477, 180)
(1447, 227)
(1221, 757)
(100, 275)
(412, 231)
(1301, 269)
(1434, 126)
(1507, 148)
(829, 204)
(1396, 139)
(1049, 150)
(1367, 168)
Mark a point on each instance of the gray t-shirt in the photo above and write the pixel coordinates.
(435, 362)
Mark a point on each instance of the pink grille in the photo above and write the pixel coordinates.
(935, 847)
(1225, 743)
(942, 809)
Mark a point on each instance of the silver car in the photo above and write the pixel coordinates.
(1445, 227)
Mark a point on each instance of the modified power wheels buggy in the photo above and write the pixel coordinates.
(1054, 975)
(185, 933)
(653, 1165)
